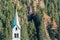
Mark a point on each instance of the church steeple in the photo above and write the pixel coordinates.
(16, 14)
(16, 21)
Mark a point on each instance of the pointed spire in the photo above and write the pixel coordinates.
(16, 21)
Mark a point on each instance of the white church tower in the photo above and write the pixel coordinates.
(16, 28)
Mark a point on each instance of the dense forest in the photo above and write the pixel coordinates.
(39, 19)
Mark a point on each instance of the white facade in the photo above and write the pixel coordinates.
(16, 33)
(16, 28)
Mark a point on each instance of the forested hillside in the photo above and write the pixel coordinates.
(39, 19)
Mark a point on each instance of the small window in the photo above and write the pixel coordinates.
(16, 28)
(16, 35)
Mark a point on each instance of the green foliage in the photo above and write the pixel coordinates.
(30, 30)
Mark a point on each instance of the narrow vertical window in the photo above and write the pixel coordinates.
(15, 35)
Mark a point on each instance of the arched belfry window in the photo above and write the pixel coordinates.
(16, 35)
(16, 28)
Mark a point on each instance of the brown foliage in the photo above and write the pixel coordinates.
(41, 3)
(54, 25)
(17, 3)
(35, 3)
(47, 20)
